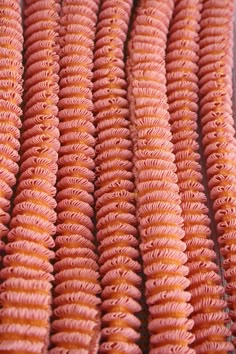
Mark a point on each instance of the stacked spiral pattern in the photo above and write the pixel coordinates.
(76, 323)
(182, 87)
(127, 139)
(25, 293)
(215, 75)
(11, 43)
(158, 202)
(116, 222)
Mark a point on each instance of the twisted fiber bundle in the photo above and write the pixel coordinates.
(215, 75)
(76, 323)
(159, 212)
(25, 292)
(116, 222)
(11, 43)
(206, 293)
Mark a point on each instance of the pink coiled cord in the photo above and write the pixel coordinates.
(215, 74)
(11, 69)
(116, 222)
(112, 176)
(76, 325)
(182, 87)
(158, 202)
(26, 289)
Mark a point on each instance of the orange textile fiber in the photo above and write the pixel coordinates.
(26, 289)
(182, 87)
(11, 69)
(158, 201)
(215, 74)
(76, 327)
(125, 151)
(115, 210)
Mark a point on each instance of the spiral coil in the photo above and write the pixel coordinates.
(182, 89)
(11, 69)
(25, 292)
(76, 326)
(115, 210)
(217, 128)
(158, 202)
(129, 146)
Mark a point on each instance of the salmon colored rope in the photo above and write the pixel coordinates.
(107, 157)
(215, 73)
(25, 292)
(76, 323)
(182, 87)
(11, 43)
(158, 208)
(116, 222)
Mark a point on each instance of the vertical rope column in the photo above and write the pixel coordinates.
(116, 222)
(11, 69)
(158, 201)
(25, 292)
(77, 324)
(215, 74)
(182, 87)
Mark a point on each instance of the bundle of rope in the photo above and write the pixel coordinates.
(118, 184)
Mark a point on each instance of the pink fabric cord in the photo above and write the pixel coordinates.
(182, 88)
(76, 325)
(215, 74)
(11, 69)
(158, 202)
(115, 210)
(25, 292)
(126, 151)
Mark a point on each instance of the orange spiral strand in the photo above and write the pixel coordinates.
(25, 292)
(76, 325)
(182, 87)
(158, 201)
(11, 69)
(116, 222)
(215, 74)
